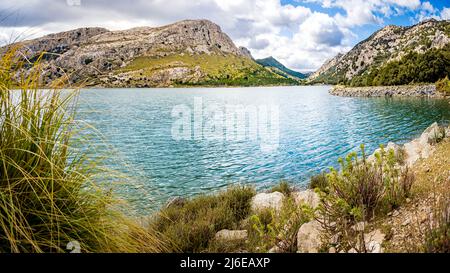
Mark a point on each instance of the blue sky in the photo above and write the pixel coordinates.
(302, 34)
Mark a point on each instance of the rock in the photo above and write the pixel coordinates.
(308, 237)
(245, 52)
(263, 201)
(308, 197)
(386, 91)
(406, 222)
(395, 213)
(332, 250)
(429, 133)
(373, 241)
(231, 235)
(421, 147)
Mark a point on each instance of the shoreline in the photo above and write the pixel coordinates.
(424, 91)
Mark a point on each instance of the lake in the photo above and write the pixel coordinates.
(157, 137)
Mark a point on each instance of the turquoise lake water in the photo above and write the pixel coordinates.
(312, 129)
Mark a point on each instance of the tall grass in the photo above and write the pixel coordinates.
(48, 197)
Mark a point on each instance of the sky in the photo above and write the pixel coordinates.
(302, 34)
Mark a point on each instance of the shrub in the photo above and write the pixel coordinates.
(283, 187)
(361, 190)
(443, 86)
(319, 181)
(192, 226)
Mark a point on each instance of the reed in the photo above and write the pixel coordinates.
(50, 197)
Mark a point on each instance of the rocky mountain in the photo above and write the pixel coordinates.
(190, 52)
(279, 68)
(389, 44)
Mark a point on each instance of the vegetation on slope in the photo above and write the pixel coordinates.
(283, 70)
(203, 69)
(443, 86)
(428, 67)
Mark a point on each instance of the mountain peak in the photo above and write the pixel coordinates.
(271, 62)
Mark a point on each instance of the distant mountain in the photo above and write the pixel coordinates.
(279, 68)
(190, 52)
(388, 47)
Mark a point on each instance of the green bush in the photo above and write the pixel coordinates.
(192, 226)
(443, 86)
(283, 187)
(362, 188)
(319, 181)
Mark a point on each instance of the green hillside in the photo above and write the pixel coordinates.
(280, 68)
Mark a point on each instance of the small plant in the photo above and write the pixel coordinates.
(319, 181)
(283, 187)
(269, 228)
(443, 86)
(437, 236)
(400, 155)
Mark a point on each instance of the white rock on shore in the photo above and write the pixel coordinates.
(263, 201)
(420, 147)
(307, 197)
(390, 91)
(309, 237)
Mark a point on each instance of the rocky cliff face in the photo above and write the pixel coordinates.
(101, 57)
(385, 45)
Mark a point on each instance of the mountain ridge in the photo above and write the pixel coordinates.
(180, 53)
(388, 44)
(280, 68)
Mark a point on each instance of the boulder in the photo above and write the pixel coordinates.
(263, 201)
(421, 147)
(429, 133)
(226, 235)
(309, 237)
(308, 197)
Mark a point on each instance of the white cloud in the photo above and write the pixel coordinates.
(361, 12)
(299, 37)
(445, 14)
(426, 11)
